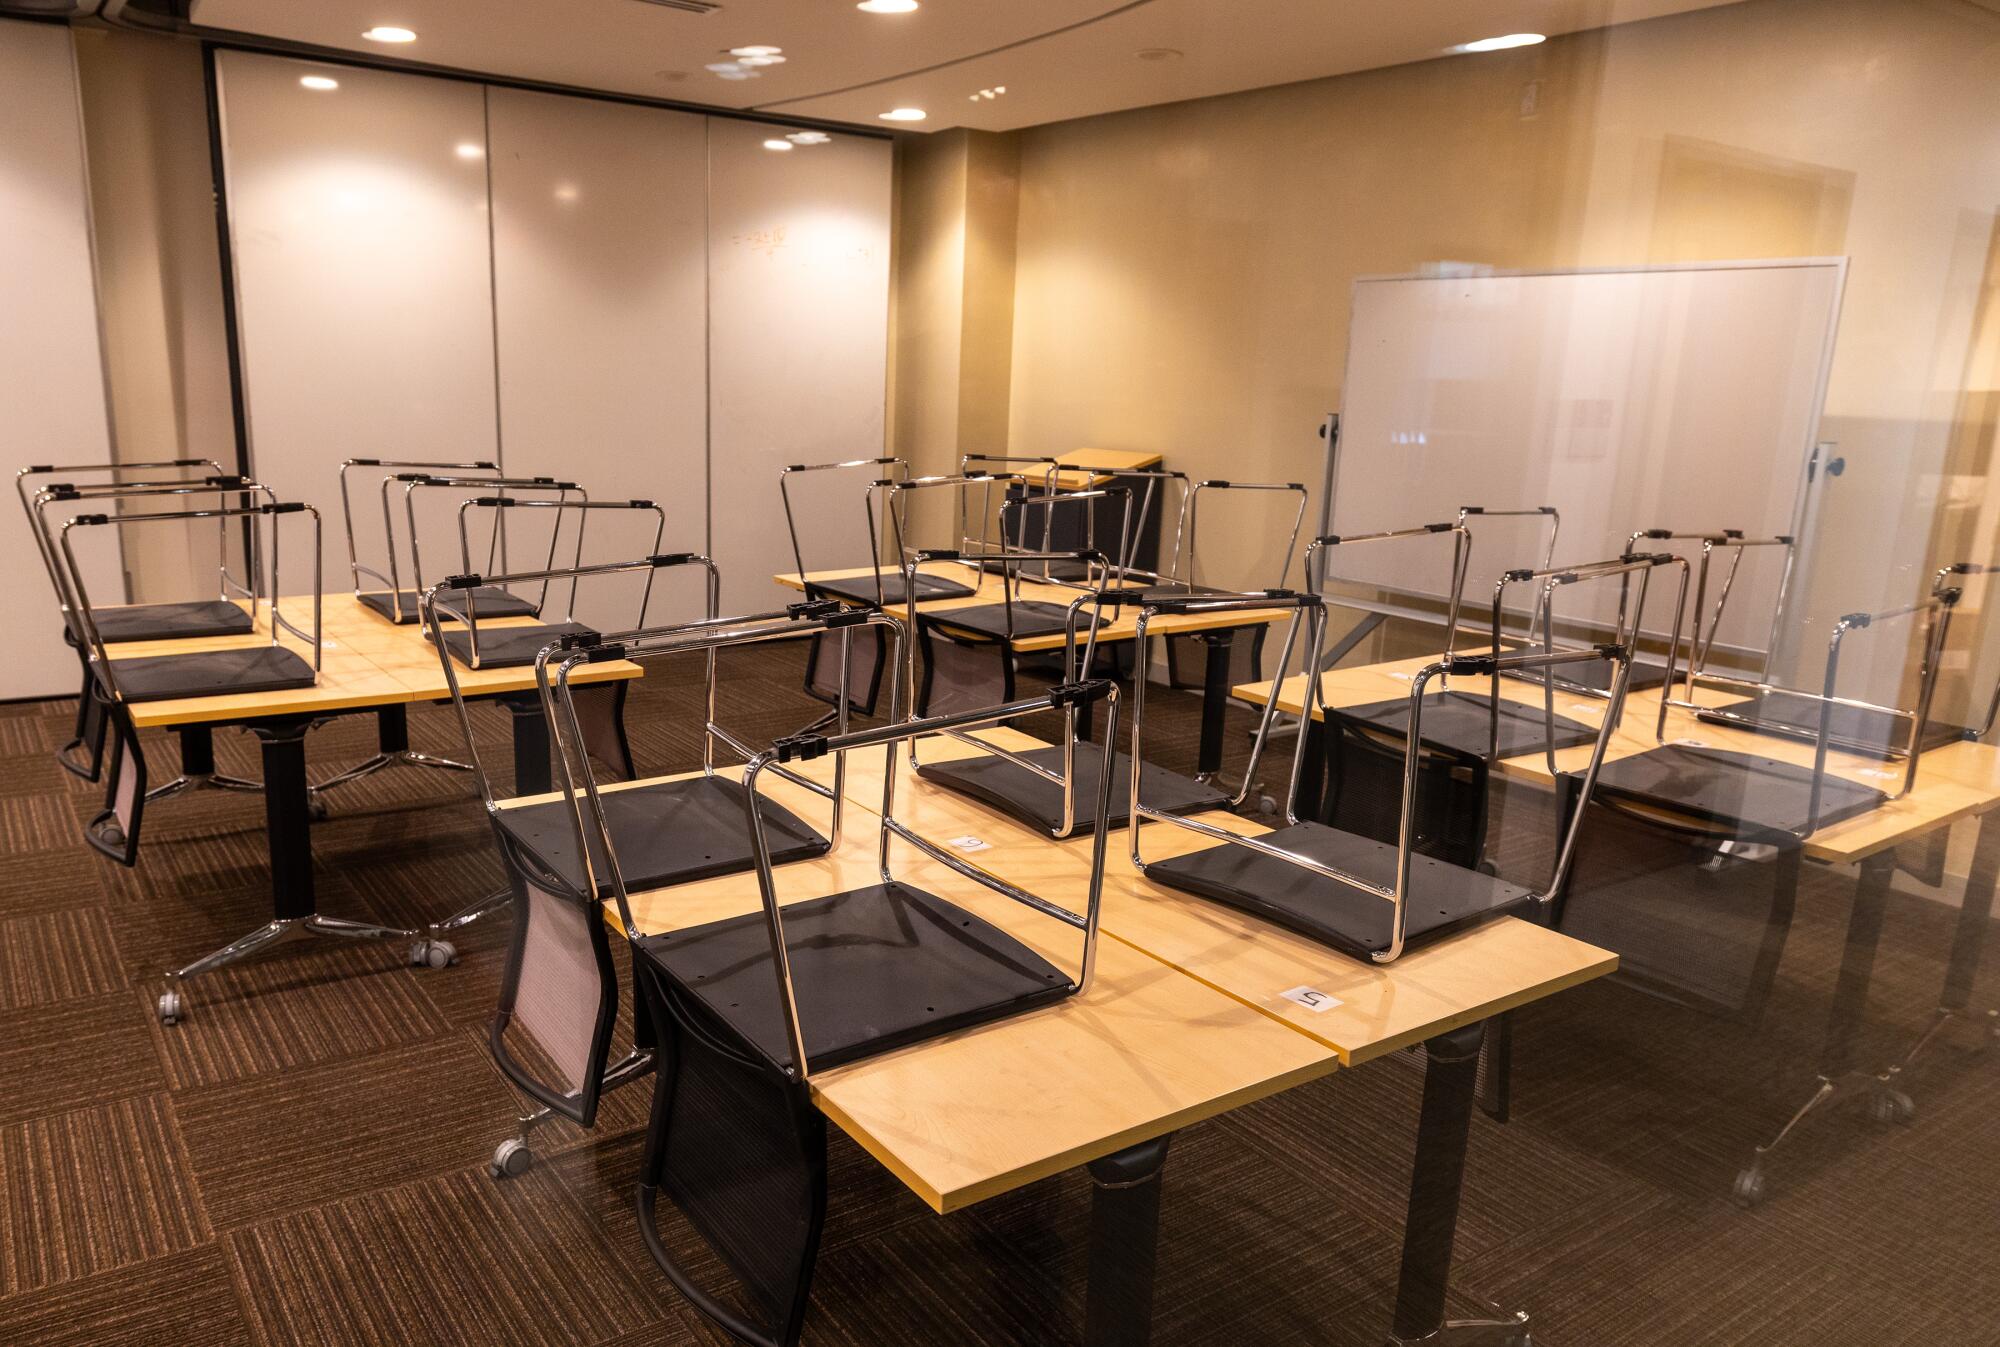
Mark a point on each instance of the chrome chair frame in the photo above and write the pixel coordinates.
(898, 470)
(468, 614)
(1310, 610)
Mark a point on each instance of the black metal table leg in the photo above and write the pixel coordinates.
(197, 750)
(392, 729)
(1214, 700)
(1124, 1237)
(532, 772)
(287, 817)
(1968, 942)
(1437, 1179)
(1838, 1077)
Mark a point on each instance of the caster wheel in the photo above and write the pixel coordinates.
(511, 1160)
(1892, 1106)
(433, 954)
(1749, 1190)
(317, 811)
(170, 1008)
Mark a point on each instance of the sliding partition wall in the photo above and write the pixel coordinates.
(647, 300)
(51, 361)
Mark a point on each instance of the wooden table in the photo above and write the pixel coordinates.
(1956, 781)
(1182, 1022)
(367, 664)
(1217, 630)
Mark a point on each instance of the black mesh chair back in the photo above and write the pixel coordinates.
(751, 1006)
(114, 830)
(560, 988)
(1697, 909)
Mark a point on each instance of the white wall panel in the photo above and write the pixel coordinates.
(358, 224)
(599, 248)
(798, 334)
(51, 360)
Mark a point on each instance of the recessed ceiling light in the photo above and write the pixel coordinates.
(755, 51)
(1503, 42)
(775, 144)
(386, 32)
(1159, 54)
(320, 82)
(566, 192)
(904, 115)
(887, 6)
(760, 60)
(809, 137)
(468, 150)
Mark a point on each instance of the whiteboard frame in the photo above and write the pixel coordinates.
(1808, 480)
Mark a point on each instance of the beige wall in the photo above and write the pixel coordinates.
(1183, 272)
(159, 279)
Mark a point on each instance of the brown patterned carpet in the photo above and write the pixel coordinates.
(303, 1159)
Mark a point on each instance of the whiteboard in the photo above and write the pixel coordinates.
(1683, 397)
(51, 362)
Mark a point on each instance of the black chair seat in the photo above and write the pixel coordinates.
(257, 668)
(1037, 802)
(1032, 617)
(170, 621)
(487, 601)
(668, 832)
(1594, 676)
(1854, 729)
(507, 647)
(1461, 722)
(1732, 788)
(861, 588)
(872, 969)
(1442, 897)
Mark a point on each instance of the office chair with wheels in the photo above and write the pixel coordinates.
(82, 756)
(750, 1006)
(559, 986)
(1366, 898)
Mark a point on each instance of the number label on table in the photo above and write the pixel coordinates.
(1313, 999)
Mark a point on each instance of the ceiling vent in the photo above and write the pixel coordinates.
(686, 6)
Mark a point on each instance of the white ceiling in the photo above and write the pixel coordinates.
(1058, 59)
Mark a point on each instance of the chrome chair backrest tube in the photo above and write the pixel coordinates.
(1121, 560)
(539, 487)
(1461, 559)
(1624, 631)
(1152, 477)
(890, 498)
(1093, 561)
(896, 469)
(581, 509)
(354, 564)
(556, 676)
(1700, 644)
(1940, 582)
(1308, 609)
(73, 470)
(805, 747)
(220, 486)
(1186, 527)
(94, 639)
(1028, 465)
(441, 602)
(1547, 512)
(1396, 892)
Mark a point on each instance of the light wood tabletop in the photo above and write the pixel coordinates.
(1143, 1051)
(1956, 781)
(1380, 1008)
(365, 660)
(1124, 627)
